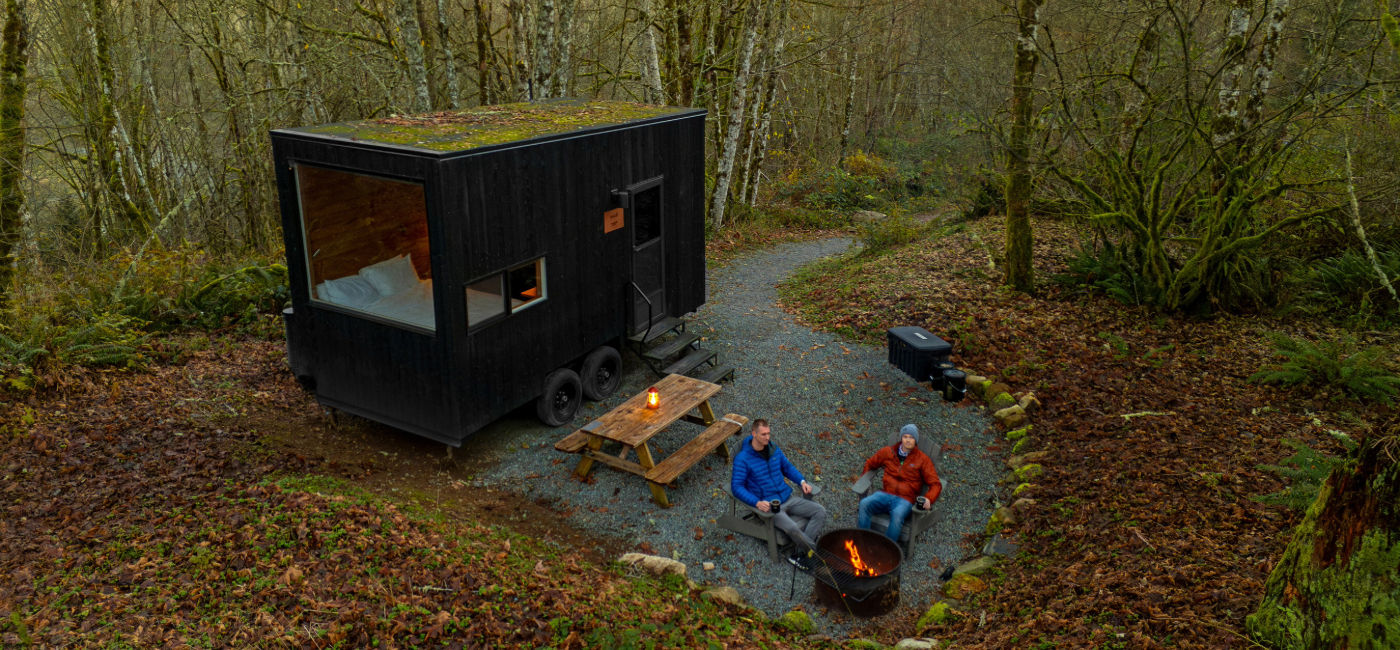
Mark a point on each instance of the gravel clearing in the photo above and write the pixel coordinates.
(831, 403)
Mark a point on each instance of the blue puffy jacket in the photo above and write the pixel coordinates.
(756, 479)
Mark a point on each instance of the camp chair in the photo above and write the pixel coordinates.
(919, 520)
(748, 520)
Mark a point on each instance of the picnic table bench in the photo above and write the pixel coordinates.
(632, 425)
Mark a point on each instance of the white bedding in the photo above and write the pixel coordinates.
(390, 289)
(413, 305)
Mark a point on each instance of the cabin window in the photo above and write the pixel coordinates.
(527, 285)
(366, 243)
(485, 299)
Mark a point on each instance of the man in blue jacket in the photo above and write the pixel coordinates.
(759, 470)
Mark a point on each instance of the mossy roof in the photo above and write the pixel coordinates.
(485, 126)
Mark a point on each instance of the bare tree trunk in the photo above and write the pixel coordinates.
(1361, 232)
(103, 140)
(14, 55)
(412, 43)
(1019, 272)
(685, 57)
(520, 49)
(483, 52)
(738, 97)
(849, 108)
(544, 50)
(564, 70)
(651, 64)
(449, 60)
(770, 90)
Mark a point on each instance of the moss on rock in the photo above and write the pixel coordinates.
(936, 615)
(798, 621)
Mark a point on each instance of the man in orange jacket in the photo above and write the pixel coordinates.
(907, 468)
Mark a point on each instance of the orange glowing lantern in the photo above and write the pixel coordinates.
(653, 398)
(858, 567)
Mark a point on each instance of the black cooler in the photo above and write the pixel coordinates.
(916, 352)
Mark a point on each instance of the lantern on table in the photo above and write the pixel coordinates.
(653, 398)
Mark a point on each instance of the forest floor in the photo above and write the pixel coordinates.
(1144, 531)
(206, 501)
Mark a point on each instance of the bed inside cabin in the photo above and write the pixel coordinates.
(367, 244)
(368, 252)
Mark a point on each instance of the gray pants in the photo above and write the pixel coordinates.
(795, 509)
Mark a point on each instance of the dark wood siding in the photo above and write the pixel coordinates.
(489, 211)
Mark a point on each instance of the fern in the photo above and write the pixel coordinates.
(1305, 470)
(1359, 373)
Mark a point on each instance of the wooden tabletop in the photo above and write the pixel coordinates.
(632, 423)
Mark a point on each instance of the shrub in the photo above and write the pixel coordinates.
(1305, 470)
(1347, 284)
(1361, 373)
(1103, 269)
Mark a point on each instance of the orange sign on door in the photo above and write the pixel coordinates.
(612, 220)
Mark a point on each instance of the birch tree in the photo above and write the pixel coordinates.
(651, 62)
(1019, 272)
(738, 97)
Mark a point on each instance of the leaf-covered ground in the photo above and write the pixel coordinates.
(1144, 533)
(167, 509)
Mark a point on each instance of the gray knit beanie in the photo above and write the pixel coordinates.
(910, 430)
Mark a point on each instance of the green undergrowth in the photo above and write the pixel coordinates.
(120, 310)
(1340, 363)
(310, 561)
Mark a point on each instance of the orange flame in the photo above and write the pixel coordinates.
(653, 398)
(860, 568)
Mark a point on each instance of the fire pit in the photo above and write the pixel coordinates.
(858, 571)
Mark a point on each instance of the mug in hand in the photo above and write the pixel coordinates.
(775, 505)
(923, 503)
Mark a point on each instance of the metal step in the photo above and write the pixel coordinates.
(717, 374)
(659, 329)
(688, 362)
(670, 348)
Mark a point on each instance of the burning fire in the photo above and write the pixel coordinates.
(858, 567)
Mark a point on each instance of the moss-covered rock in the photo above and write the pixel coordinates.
(1001, 401)
(1020, 445)
(962, 586)
(1020, 488)
(865, 644)
(1021, 460)
(1027, 472)
(1017, 434)
(976, 566)
(798, 621)
(939, 614)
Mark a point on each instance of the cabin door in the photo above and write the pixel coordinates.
(644, 216)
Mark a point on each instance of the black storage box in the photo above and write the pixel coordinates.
(914, 350)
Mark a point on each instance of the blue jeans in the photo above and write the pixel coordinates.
(881, 502)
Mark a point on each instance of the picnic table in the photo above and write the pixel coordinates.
(632, 424)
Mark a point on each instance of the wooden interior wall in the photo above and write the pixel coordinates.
(353, 220)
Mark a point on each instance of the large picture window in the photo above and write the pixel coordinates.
(367, 244)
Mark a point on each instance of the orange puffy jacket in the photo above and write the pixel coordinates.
(903, 479)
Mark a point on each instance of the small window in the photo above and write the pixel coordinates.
(646, 215)
(527, 285)
(485, 300)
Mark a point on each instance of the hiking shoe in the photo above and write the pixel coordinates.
(802, 560)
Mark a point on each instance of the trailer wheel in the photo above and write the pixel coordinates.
(601, 373)
(560, 400)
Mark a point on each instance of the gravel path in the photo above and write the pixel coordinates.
(831, 403)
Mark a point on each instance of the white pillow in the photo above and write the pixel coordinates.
(392, 275)
(351, 291)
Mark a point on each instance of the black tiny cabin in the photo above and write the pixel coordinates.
(449, 268)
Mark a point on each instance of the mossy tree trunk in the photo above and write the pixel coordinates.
(1019, 273)
(1338, 583)
(13, 57)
